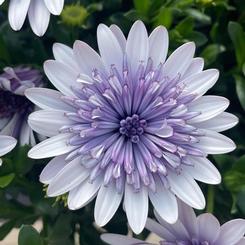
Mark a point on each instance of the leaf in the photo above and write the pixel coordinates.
(240, 89)
(29, 235)
(164, 17)
(186, 26)
(211, 52)
(142, 6)
(237, 36)
(199, 16)
(6, 180)
(6, 228)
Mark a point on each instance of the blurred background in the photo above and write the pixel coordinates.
(217, 28)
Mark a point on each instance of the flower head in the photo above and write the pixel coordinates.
(7, 143)
(38, 13)
(128, 123)
(188, 230)
(14, 106)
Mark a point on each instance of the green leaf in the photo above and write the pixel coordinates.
(142, 6)
(6, 228)
(164, 17)
(185, 27)
(29, 236)
(211, 52)
(237, 36)
(199, 16)
(240, 89)
(6, 180)
(198, 37)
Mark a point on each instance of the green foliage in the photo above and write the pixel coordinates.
(217, 28)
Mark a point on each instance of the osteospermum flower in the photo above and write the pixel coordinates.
(7, 143)
(188, 230)
(38, 13)
(128, 124)
(14, 106)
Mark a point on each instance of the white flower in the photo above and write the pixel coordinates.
(38, 13)
(126, 124)
(7, 143)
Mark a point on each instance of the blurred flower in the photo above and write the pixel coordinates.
(14, 106)
(128, 123)
(74, 15)
(38, 13)
(188, 230)
(7, 143)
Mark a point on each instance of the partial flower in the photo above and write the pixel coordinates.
(7, 143)
(128, 124)
(38, 13)
(14, 106)
(188, 230)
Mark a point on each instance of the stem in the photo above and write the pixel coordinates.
(210, 199)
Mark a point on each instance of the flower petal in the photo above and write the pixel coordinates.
(186, 189)
(195, 67)
(164, 202)
(39, 16)
(179, 61)
(7, 143)
(52, 169)
(68, 178)
(231, 232)
(215, 143)
(119, 36)
(48, 122)
(158, 45)
(209, 227)
(17, 13)
(61, 76)
(209, 106)
(203, 170)
(107, 203)
(55, 6)
(115, 239)
(54, 146)
(136, 207)
(47, 99)
(219, 123)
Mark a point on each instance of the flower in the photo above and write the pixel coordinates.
(188, 230)
(14, 106)
(128, 123)
(38, 13)
(7, 143)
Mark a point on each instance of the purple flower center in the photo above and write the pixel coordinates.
(11, 103)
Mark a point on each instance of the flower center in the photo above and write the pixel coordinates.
(132, 127)
(11, 103)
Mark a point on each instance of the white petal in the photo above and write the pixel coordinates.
(179, 60)
(83, 193)
(186, 189)
(48, 122)
(241, 242)
(52, 169)
(7, 143)
(25, 133)
(159, 230)
(187, 217)
(203, 170)
(17, 13)
(219, 123)
(87, 59)
(64, 54)
(158, 45)
(110, 50)
(107, 203)
(47, 99)
(209, 106)
(1, 1)
(231, 232)
(54, 146)
(164, 202)
(54, 6)
(137, 47)
(209, 227)
(136, 207)
(119, 35)
(215, 143)
(62, 77)
(3, 122)
(115, 239)
(195, 67)
(39, 16)
(9, 128)
(68, 178)
(201, 82)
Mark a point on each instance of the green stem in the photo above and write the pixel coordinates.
(210, 199)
